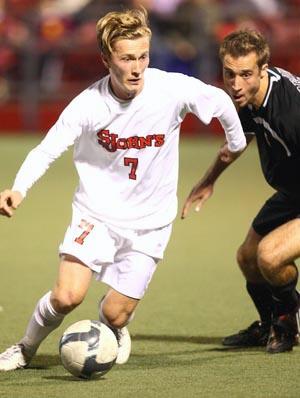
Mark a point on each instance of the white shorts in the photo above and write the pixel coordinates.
(124, 259)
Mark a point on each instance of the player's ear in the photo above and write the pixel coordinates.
(105, 60)
(264, 70)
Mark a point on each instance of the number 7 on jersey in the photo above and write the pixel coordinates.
(133, 163)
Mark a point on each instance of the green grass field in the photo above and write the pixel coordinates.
(196, 297)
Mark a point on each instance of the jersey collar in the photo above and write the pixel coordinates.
(273, 77)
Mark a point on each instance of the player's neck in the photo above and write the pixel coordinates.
(112, 93)
(261, 94)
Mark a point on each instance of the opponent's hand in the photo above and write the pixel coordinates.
(227, 156)
(204, 189)
(9, 201)
(198, 196)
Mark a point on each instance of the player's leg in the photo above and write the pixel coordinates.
(277, 211)
(128, 278)
(116, 310)
(257, 333)
(277, 252)
(69, 290)
(72, 284)
(135, 260)
(256, 285)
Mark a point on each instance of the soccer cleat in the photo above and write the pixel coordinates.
(256, 335)
(14, 358)
(284, 334)
(124, 343)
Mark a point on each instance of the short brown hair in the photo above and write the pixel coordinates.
(243, 42)
(116, 25)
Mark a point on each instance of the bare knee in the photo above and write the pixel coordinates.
(276, 254)
(267, 259)
(118, 319)
(247, 261)
(64, 301)
(118, 312)
(245, 258)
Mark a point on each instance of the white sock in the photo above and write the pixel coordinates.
(44, 319)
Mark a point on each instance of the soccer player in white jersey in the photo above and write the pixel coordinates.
(125, 131)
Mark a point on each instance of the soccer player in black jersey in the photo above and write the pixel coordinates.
(268, 102)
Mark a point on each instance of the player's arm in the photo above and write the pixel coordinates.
(58, 139)
(205, 186)
(33, 167)
(208, 102)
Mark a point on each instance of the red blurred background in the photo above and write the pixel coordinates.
(48, 49)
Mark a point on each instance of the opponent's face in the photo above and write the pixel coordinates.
(245, 82)
(127, 64)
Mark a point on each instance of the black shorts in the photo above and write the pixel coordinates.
(278, 210)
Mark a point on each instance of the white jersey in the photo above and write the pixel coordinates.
(126, 153)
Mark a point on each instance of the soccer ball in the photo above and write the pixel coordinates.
(88, 349)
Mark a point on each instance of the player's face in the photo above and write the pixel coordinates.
(245, 82)
(127, 65)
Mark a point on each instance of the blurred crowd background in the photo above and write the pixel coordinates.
(48, 49)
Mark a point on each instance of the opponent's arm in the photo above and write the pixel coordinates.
(204, 188)
(209, 102)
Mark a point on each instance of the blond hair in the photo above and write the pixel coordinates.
(243, 42)
(129, 24)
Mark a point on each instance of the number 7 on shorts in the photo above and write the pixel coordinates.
(87, 228)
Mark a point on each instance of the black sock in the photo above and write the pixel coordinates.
(285, 298)
(262, 298)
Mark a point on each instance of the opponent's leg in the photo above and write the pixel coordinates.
(276, 254)
(258, 289)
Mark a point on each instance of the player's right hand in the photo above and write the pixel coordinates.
(9, 201)
(198, 196)
(227, 156)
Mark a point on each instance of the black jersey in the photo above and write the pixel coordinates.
(276, 125)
